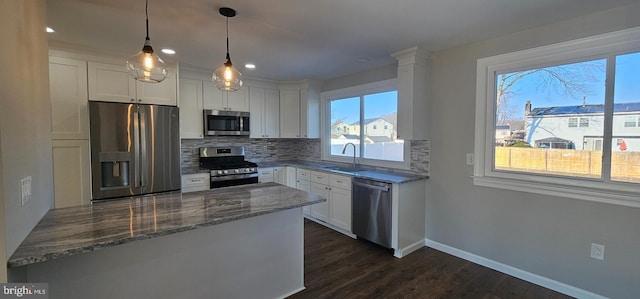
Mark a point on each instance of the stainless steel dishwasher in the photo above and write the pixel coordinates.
(371, 211)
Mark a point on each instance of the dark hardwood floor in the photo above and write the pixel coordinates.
(337, 266)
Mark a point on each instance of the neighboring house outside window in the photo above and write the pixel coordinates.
(581, 141)
(368, 116)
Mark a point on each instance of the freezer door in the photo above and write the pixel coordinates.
(159, 148)
(113, 147)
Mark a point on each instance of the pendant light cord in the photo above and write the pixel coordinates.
(146, 12)
(228, 38)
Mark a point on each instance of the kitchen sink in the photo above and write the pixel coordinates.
(344, 169)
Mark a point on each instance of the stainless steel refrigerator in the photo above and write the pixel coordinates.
(135, 149)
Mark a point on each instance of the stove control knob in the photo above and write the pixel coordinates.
(225, 172)
(236, 170)
(251, 169)
(247, 170)
(219, 171)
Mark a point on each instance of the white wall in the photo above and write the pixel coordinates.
(544, 235)
(25, 119)
(375, 75)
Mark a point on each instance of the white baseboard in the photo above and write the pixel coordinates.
(293, 292)
(333, 227)
(401, 252)
(524, 275)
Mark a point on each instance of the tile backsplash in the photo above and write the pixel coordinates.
(273, 150)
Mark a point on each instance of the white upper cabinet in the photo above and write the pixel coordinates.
(68, 92)
(290, 113)
(264, 109)
(112, 83)
(300, 110)
(191, 117)
(413, 71)
(215, 99)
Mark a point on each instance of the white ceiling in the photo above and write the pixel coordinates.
(300, 39)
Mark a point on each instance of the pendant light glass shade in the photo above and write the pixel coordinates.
(146, 66)
(227, 77)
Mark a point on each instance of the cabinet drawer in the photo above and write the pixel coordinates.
(340, 181)
(303, 174)
(265, 171)
(319, 177)
(195, 182)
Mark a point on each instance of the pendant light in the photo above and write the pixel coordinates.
(146, 66)
(227, 77)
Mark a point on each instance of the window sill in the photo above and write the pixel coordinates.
(602, 195)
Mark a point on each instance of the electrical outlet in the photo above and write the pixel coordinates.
(597, 251)
(469, 159)
(25, 190)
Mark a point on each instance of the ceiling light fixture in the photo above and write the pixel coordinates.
(50, 30)
(227, 77)
(168, 51)
(250, 66)
(146, 66)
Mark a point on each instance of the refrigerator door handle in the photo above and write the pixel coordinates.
(143, 149)
(136, 149)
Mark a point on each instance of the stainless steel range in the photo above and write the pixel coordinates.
(228, 167)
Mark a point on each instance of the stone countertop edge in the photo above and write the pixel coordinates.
(53, 237)
(375, 174)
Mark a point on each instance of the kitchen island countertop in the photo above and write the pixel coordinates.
(75, 230)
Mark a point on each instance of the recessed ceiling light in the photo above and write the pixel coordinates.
(168, 51)
(250, 66)
(364, 59)
(50, 30)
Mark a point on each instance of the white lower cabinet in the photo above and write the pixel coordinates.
(320, 211)
(195, 182)
(71, 173)
(336, 211)
(265, 175)
(340, 208)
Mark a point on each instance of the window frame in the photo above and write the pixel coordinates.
(602, 189)
(357, 91)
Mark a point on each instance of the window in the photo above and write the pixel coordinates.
(631, 122)
(367, 110)
(583, 121)
(575, 102)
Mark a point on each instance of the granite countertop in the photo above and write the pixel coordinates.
(75, 230)
(361, 172)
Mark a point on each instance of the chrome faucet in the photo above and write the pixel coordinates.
(344, 150)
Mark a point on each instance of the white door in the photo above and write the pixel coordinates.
(163, 93)
(320, 211)
(213, 98)
(237, 100)
(340, 208)
(110, 83)
(191, 109)
(289, 113)
(272, 113)
(256, 112)
(71, 173)
(68, 92)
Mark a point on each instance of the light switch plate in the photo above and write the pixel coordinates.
(469, 159)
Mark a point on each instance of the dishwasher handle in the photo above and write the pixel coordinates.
(381, 188)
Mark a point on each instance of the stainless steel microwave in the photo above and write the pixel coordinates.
(223, 122)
